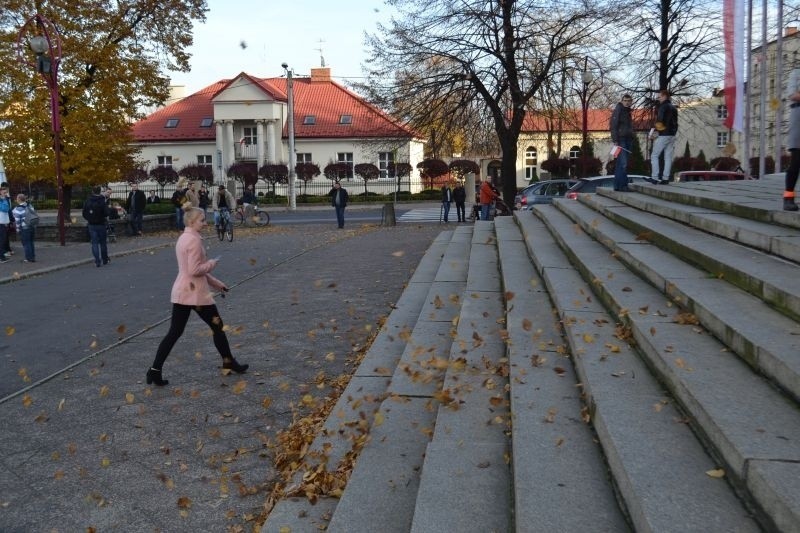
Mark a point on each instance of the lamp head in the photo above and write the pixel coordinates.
(587, 76)
(285, 65)
(38, 44)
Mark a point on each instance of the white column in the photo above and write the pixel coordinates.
(219, 155)
(271, 125)
(259, 143)
(229, 153)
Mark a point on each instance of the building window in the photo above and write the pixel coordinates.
(309, 120)
(346, 157)
(206, 122)
(249, 135)
(722, 111)
(164, 161)
(204, 160)
(575, 152)
(385, 160)
(531, 162)
(304, 157)
(722, 139)
(346, 119)
(172, 123)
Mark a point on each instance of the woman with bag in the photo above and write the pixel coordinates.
(192, 291)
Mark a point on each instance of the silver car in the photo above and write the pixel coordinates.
(542, 192)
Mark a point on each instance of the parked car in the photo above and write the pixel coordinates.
(542, 192)
(591, 184)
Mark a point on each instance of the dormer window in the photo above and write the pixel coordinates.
(172, 123)
(309, 120)
(206, 122)
(345, 119)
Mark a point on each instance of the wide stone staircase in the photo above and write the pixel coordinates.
(624, 362)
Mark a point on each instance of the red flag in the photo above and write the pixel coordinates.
(733, 35)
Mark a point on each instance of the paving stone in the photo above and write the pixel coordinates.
(776, 485)
(300, 516)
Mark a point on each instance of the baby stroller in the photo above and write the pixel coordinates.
(500, 208)
(116, 212)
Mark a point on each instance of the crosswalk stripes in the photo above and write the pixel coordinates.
(422, 214)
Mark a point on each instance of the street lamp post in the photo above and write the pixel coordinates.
(46, 44)
(292, 154)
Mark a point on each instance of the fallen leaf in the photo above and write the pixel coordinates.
(104, 391)
(10, 330)
(717, 473)
(129, 397)
(184, 502)
(121, 329)
(239, 387)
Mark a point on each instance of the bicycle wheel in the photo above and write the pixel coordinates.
(262, 218)
(239, 218)
(221, 227)
(229, 229)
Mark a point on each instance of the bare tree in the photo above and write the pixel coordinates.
(674, 45)
(479, 58)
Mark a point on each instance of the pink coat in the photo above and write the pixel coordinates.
(194, 281)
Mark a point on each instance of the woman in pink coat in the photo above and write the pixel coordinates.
(192, 290)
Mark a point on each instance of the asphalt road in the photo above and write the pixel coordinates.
(64, 316)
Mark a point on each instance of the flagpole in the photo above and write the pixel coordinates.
(778, 121)
(748, 92)
(762, 112)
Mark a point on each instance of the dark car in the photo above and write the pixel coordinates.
(542, 192)
(585, 185)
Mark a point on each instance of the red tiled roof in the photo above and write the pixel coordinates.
(326, 100)
(572, 120)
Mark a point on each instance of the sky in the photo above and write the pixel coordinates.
(276, 32)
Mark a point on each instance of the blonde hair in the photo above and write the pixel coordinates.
(192, 213)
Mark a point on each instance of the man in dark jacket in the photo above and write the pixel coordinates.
(339, 199)
(95, 211)
(135, 208)
(460, 198)
(622, 136)
(665, 128)
(447, 199)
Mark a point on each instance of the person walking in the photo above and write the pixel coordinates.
(622, 136)
(192, 291)
(793, 142)
(460, 198)
(25, 230)
(664, 137)
(447, 199)
(192, 196)
(487, 196)
(5, 220)
(203, 199)
(96, 213)
(178, 199)
(339, 199)
(5, 243)
(135, 205)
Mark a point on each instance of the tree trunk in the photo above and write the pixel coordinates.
(508, 143)
(67, 202)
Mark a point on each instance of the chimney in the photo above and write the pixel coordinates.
(790, 30)
(320, 74)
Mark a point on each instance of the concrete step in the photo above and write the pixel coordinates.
(767, 340)
(560, 479)
(758, 200)
(777, 240)
(386, 476)
(758, 273)
(465, 480)
(361, 398)
(658, 465)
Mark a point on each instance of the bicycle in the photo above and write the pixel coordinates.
(260, 216)
(225, 225)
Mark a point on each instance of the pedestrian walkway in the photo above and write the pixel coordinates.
(624, 361)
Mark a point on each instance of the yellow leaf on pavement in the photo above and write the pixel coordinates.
(717, 473)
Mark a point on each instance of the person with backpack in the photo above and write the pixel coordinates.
(663, 135)
(95, 211)
(26, 219)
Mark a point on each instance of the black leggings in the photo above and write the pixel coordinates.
(180, 315)
(793, 170)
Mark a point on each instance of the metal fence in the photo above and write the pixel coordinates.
(356, 187)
